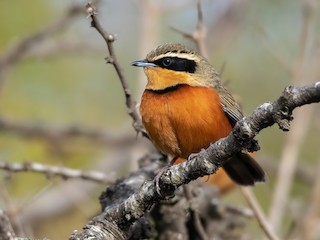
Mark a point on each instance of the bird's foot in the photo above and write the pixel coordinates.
(157, 179)
(159, 174)
(192, 156)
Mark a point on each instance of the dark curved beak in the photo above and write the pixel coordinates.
(143, 63)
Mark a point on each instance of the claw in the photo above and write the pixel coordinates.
(159, 174)
(157, 179)
(192, 155)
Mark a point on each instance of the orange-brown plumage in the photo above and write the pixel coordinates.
(184, 121)
(184, 108)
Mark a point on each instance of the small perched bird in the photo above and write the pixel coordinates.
(185, 107)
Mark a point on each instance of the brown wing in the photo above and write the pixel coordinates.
(229, 105)
(241, 168)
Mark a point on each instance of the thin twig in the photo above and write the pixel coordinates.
(260, 216)
(199, 34)
(112, 59)
(59, 171)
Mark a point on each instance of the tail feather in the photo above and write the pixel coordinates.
(244, 170)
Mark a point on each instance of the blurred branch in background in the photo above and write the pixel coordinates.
(59, 171)
(14, 53)
(258, 213)
(303, 71)
(198, 36)
(69, 194)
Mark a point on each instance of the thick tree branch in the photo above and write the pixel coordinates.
(205, 163)
(112, 59)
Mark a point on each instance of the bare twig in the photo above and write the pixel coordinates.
(15, 53)
(121, 216)
(260, 216)
(112, 59)
(59, 171)
(199, 35)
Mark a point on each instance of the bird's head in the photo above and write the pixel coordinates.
(174, 64)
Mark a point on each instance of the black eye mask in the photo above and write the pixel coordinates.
(177, 64)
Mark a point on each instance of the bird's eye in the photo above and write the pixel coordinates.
(167, 62)
(176, 64)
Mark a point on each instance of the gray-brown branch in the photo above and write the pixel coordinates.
(117, 219)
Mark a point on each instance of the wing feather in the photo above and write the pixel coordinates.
(229, 105)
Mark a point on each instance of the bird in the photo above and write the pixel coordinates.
(185, 107)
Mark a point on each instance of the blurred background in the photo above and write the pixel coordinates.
(62, 105)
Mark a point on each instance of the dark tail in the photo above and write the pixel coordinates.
(244, 170)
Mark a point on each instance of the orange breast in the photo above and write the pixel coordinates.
(185, 120)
